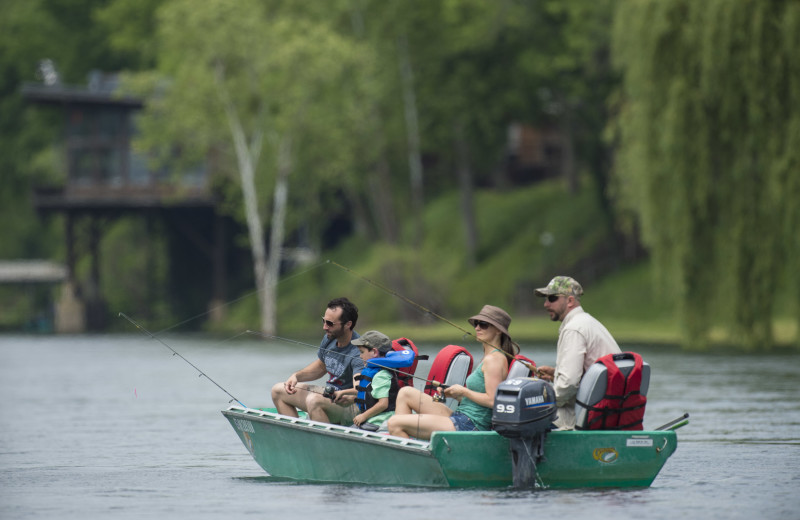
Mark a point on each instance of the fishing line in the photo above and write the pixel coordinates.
(231, 302)
(175, 353)
(432, 382)
(401, 297)
(316, 347)
(425, 310)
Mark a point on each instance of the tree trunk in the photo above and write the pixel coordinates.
(466, 193)
(380, 191)
(247, 159)
(412, 130)
(568, 167)
(277, 230)
(254, 227)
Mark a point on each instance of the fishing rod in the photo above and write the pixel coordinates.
(315, 347)
(674, 424)
(230, 302)
(175, 353)
(401, 297)
(425, 310)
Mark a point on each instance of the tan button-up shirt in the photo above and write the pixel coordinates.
(581, 341)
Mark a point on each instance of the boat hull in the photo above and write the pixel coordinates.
(304, 450)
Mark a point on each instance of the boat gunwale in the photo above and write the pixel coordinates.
(333, 430)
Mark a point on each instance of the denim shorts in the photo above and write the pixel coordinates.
(463, 423)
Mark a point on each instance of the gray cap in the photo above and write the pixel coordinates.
(374, 339)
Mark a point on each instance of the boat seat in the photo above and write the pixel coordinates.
(519, 369)
(451, 366)
(405, 375)
(594, 383)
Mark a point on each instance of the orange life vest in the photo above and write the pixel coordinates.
(622, 407)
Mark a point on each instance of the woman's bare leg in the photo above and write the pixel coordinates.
(410, 400)
(420, 426)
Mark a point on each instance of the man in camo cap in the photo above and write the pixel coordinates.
(581, 341)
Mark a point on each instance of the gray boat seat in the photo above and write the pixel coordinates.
(451, 366)
(593, 385)
(518, 369)
(457, 375)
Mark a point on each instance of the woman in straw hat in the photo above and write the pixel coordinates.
(476, 399)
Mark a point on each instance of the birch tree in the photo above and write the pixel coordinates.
(246, 81)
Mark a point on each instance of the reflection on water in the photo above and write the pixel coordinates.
(117, 424)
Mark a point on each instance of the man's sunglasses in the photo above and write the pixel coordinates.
(553, 297)
(329, 323)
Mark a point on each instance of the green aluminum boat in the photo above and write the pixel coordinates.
(304, 450)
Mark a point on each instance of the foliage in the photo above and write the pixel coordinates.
(24, 134)
(516, 260)
(32, 30)
(138, 278)
(238, 79)
(708, 156)
(703, 129)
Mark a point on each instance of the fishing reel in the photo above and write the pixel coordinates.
(328, 392)
(438, 397)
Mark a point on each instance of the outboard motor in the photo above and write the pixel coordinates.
(524, 410)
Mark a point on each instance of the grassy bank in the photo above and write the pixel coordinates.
(525, 238)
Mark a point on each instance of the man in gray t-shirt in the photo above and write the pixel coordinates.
(338, 358)
(341, 363)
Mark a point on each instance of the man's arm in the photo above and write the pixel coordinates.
(569, 366)
(314, 370)
(545, 372)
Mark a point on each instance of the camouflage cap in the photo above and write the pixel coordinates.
(561, 285)
(374, 339)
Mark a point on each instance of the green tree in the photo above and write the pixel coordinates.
(708, 158)
(32, 31)
(489, 65)
(250, 81)
(63, 34)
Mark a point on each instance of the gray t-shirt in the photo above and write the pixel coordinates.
(342, 363)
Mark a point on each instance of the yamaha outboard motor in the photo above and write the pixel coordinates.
(524, 410)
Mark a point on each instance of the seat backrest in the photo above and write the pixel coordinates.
(451, 366)
(594, 385)
(405, 375)
(517, 369)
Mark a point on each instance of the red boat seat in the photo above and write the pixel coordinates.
(405, 375)
(451, 366)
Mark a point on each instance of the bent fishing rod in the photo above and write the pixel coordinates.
(425, 310)
(175, 353)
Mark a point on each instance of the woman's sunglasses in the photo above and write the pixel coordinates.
(482, 325)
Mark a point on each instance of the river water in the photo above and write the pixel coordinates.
(119, 427)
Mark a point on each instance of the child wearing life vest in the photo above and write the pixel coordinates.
(376, 387)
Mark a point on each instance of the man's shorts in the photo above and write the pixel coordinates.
(337, 414)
